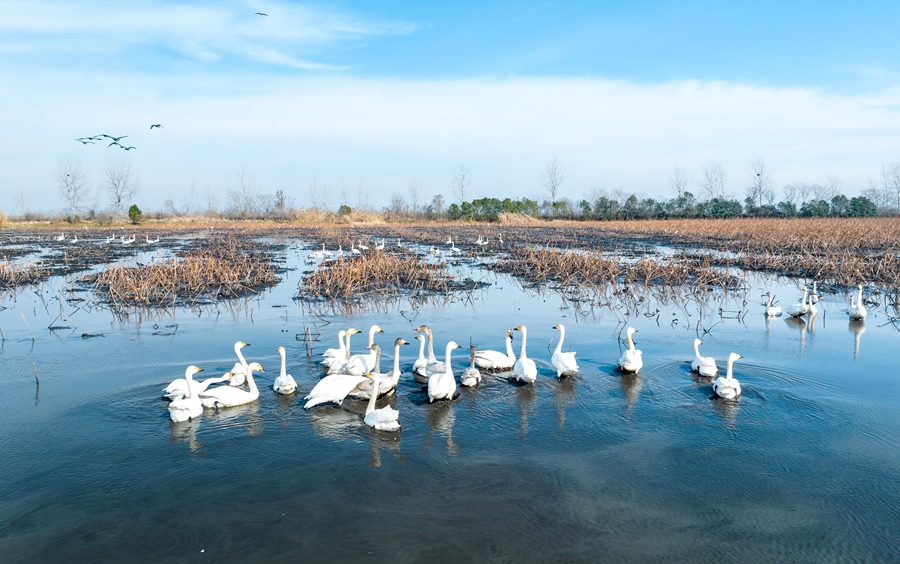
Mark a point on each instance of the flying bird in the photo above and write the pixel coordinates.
(84, 140)
(261, 14)
(127, 148)
(156, 125)
(114, 143)
(115, 139)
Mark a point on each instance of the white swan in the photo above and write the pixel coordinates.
(563, 362)
(705, 365)
(61, 237)
(443, 385)
(318, 254)
(525, 368)
(179, 388)
(421, 362)
(857, 311)
(470, 376)
(227, 396)
(341, 352)
(338, 363)
(285, 383)
(434, 365)
(387, 384)
(360, 364)
(187, 407)
(727, 386)
(384, 419)
(772, 311)
(796, 310)
(814, 295)
(496, 360)
(632, 359)
(240, 367)
(333, 389)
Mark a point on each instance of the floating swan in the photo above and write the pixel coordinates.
(857, 311)
(495, 360)
(470, 376)
(632, 359)
(285, 383)
(420, 363)
(526, 370)
(814, 295)
(387, 384)
(333, 389)
(772, 311)
(179, 388)
(563, 362)
(318, 254)
(341, 352)
(727, 386)
(360, 364)
(61, 237)
(240, 367)
(187, 407)
(705, 365)
(337, 365)
(227, 396)
(796, 310)
(434, 366)
(443, 385)
(386, 418)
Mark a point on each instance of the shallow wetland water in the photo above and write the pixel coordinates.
(804, 467)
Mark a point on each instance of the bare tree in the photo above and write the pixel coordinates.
(72, 182)
(247, 193)
(760, 186)
(554, 175)
(325, 195)
(362, 195)
(120, 183)
(212, 200)
(282, 204)
(460, 181)
(890, 175)
(712, 183)
(878, 196)
(398, 204)
(679, 180)
(345, 194)
(415, 195)
(437, 204)
(313, 191)
(190, 201)
(21, 201)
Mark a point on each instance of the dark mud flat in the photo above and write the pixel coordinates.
(600, 467)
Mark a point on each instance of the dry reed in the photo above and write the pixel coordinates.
(13, 274)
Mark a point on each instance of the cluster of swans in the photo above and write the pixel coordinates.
(358, 248)
(807, 305)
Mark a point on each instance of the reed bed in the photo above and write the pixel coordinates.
(377, 274)
(225, 269)
(13, 275)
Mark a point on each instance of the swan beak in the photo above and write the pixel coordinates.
(405, 342)
(246, 344)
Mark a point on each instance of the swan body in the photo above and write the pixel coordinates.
(496, 360)
(727, 387)
(337, 364)
(421, 362)
(797, 310)
(563, 362)
(434, 366)
(814, 295)
(285, 383)
(228, 396)
(387, 383)
(189, 387)
(360, 364)
(705, 365)
(772, 311)
(470, 376)
(525, 368)
(333, 389)
(187, 407)
(857, 312)
(384, 419)
(443, 385)
(632, 359)
(341, 352)
(240, 367)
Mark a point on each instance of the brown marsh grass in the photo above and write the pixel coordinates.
(13, 274)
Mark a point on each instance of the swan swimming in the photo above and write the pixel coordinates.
(240, 367)
(632, 359)
(337, 365)
(389, 382)
(772, 311)
(285, 383)
(857, 311)
(495, 360)
(434, 366)
(470, 376)
(797, 310)
(341, 352)
(384, 419)
(814, 295)
(443, 385)
(705, 365)
(421, 362)
(187, 407)
(228, 396)
(525, 368)
(333, 389)
(727, 387)
(360, 364)
(179, 388)
(563, 362)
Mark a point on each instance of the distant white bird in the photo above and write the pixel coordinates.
(363, 247)
(704, 365)
(797, 310)
(240, 367)
(727, 386)
(563, 362)
(772, 311)
(857, 311)
(61, 237)
(285, 383)
(814, 295)
(632, 359)
(380, 246)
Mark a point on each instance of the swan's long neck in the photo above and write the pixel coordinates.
(396, 360)
(696, 349)
(730, 367)
(769, 304)
(803, 301)
(524, 338)
(190, 380)
(251, 382)
(431, 356)
(283, 366)
(341, 346)
(630, 342)
(377, 360)
(371, 336)
(373, 397)
(859, 295)
(347, 351)
(472, 359)
(421, 348)
(509, 348)
(447, 363)
(237, 351)
(562, 335)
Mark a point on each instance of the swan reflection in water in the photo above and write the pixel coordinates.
(631, 383)
(441, 418)
(564, 394)
(727, 409)
(800, 324)
(246, 415)
(186, 431)
(858, 328)
(379, 440)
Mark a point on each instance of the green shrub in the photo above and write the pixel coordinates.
(134, 214)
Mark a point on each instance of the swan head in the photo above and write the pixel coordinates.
(733, 356)
(400, 341)
(376, 329)
(422, 329)
(509, 333)
(241, 344)
(519, 328)
(193, 370)
(420, 338)
(452, 345)
(558, 326)
(697, 342)
(255, 367)
(373, 347)
(280, 350)
(631, 331)
(352, 331)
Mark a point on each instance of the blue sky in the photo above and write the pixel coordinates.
(389, 93)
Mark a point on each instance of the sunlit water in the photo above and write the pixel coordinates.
(598, 467)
